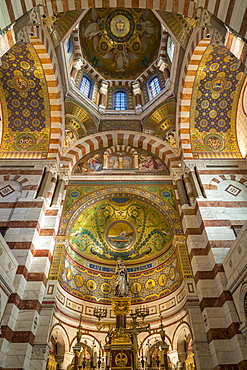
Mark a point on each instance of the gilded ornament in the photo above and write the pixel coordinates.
(78, 280)
(91, 285)
(121, 305)
(121, 359)
(162, 280)
(150, 284)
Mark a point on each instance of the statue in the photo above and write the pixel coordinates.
(122, 280)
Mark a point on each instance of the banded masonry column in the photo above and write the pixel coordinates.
(46, 244)
(137, 93)
(30, 237)
(200, 342)
(102, 98)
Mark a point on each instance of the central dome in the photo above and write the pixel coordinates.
(120, 43)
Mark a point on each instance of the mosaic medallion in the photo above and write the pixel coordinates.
(25, 141)
(120, 235)
(120, 25)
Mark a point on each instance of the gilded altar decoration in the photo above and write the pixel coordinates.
(121, 305)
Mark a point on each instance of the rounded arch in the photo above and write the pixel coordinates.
(233, 14)
(89, 340)
(214, 183)
(182, 330)
(59, 331)
(243, 305)
(195, 50)
(115, 149)
(24, 182)
(44, 48)
(107, 139)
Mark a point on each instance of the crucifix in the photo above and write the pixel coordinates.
(134, 331)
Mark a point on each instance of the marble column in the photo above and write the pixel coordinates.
(102, 99)
(137, 93)
(200, 344)
(195, 184)
(181, 192)
(45, 185)
(189, 189)
(58, 193)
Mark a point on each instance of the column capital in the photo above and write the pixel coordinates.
(162, 64)
(104, 87)
(78, 63)
(136, 88)
(63, 174)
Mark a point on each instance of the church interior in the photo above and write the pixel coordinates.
(123, 184)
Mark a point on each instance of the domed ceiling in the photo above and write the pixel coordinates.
(120, 43)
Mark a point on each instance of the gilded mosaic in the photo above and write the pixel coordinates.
(120, 42)
(93, 285)
(120, 227)
(213, 110)
(25, 104)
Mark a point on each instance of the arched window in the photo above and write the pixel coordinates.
(170, 48)
(70, 46)
(154, 87)
(120, 100)
(86, 86)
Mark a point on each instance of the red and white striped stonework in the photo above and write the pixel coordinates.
(207, 226)
(31, 229)
(195, 50)
(232, 13)
(108, 139)
(43, 46)
(77, 45)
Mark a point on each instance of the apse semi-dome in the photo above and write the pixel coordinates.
(120, 43)
(120, 227)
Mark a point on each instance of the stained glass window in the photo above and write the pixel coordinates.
(85, 86)
(70, 46)
(170, 48)
(154, 87)
(120, 100)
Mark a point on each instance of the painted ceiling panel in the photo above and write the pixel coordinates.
(25, 105)
(214, 105)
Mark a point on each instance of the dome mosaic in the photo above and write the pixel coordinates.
(120, 43)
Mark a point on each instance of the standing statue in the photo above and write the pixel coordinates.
(122, 280)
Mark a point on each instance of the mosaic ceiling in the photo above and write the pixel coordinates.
(214, 104)
(120, 43)
(25, 105)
